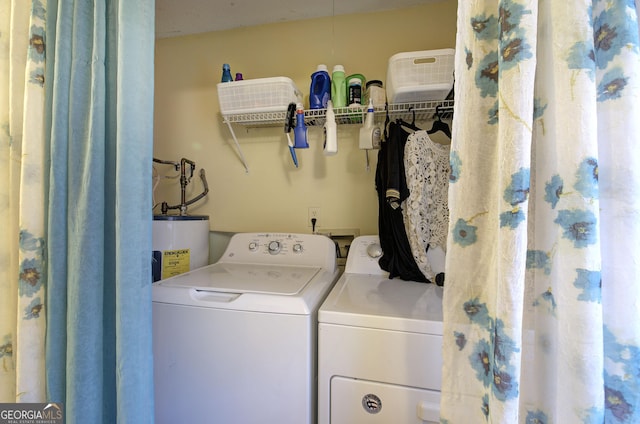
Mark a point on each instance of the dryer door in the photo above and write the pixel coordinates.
(361, 401)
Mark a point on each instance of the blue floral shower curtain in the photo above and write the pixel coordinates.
(543, 277)
(100, 82)
(75, 205)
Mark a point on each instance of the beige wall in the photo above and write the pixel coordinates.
(274, 195)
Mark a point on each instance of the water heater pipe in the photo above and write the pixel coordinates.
(184, 180)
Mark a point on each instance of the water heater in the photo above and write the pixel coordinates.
(180, 244)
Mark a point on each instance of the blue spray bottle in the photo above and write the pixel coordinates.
(226, 73)
(300, 131)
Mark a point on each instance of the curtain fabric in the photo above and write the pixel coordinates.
(75, 203)
(99, 352)
(543, 278)
(22, 206)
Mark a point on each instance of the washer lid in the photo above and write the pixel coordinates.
(245, 278)
(379, 302)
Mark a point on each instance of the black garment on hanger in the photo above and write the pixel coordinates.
(391, 186)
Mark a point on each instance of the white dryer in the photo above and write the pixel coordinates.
(236, 341)
(379, 345)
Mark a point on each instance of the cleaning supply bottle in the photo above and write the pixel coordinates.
(354, 84)
(338, 87)
(370, 134)
(226, 73)
(330, 131)
(375, 92)
(320, 90)
(300, 131)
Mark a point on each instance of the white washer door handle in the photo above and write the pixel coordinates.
(214, 296)
(428, 412)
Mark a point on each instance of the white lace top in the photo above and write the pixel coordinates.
(426, 210)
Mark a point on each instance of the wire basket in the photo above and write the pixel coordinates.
(420, 76)
(257, 95)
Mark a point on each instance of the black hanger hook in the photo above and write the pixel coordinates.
(386, 119)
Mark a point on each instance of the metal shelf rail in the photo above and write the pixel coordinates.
(418, 111)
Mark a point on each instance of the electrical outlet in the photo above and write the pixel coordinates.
(314, 212)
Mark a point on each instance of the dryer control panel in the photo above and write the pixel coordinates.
(363, 256)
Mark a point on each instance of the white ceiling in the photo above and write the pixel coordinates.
(181, 17)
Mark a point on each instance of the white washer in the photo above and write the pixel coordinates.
(379, 345)
(235, 341)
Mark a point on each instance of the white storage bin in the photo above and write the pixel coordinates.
(257, 95)
(420, 76)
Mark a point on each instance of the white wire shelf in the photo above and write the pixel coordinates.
(419, 111)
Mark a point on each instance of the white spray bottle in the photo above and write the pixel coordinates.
(370, 134)
(330, 131)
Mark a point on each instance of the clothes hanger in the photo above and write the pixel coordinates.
(412, 125)
(386, 121)
(440, 125)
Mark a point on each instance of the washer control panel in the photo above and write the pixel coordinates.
(281, 248)
(277, 244)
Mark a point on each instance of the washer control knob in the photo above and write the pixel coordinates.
(253, 246)
(274, 247)
(374, 250)
(297, 248)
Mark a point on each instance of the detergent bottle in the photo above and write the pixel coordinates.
(354, 85)
(320, 90)
(338, 87)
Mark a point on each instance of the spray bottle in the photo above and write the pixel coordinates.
(370, 134)
(300, 131)
(226, 73)
(330, 131)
